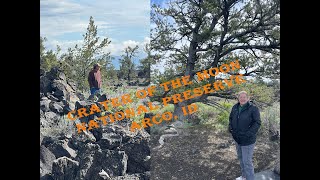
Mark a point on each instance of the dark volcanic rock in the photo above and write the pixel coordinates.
(64, 168)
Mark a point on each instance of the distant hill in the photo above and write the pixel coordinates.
(116, 61)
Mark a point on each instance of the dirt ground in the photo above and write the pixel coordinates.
(202, 153)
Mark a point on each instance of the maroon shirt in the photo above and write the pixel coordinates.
(94, 79)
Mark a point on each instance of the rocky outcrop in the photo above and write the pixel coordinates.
(277, 167)
(136, 176)
(93, 159)
(57, 97)
(64, 168)
(110, 140)
(138, 156)
(48, 119)
(107, 152)
(61, 148)
(46, 160)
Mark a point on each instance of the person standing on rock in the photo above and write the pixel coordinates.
(244, 123)
(94, 79)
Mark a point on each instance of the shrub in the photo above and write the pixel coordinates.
(206, 113)
(138, 118)
(213, 116)
(223, 116)
(270, 119)
(161, 110)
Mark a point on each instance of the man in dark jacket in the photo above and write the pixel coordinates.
(94, 79)
(244, 123)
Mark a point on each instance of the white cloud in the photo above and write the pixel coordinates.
(49, 7)
(146, 41)
(58, 17)
(66, 16)
(130, 43)
(64, 45)
(63, 22)
(115, 47)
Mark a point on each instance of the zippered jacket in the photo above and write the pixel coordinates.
(244, 125)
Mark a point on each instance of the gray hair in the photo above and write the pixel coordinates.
(242, 92)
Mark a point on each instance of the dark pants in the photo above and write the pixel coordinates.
(245, 154)
(94, 90)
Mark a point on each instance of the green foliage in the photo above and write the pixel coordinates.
(161, 110)
(206, 113)
(212, 116)
(191, 42)
(223, 116)
(78, 61)
(42, 48)
(270, 117)
(138, 118)
(187, 124)
(110, 75)
(259, 92)
(127, 67)
(146, 62)
(48, 59)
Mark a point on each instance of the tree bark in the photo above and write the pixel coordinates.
(189, 69)
(178, 112)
